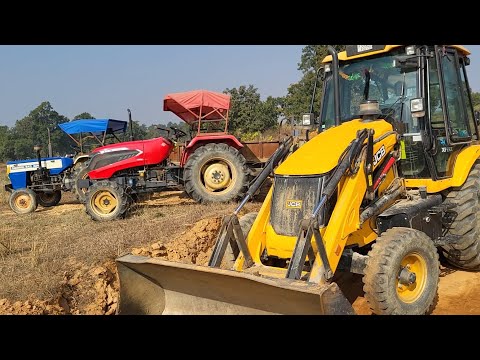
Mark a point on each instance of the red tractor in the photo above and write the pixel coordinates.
(211, 166)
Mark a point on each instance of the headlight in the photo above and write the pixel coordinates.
(8, 169)
(307, 119)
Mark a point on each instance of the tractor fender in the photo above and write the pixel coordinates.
(80, 159)
(201, 140)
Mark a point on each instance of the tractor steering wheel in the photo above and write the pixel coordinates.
(177, 132)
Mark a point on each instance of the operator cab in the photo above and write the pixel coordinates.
(422, 91)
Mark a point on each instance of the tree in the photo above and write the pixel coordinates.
(32, 130)
(299, 95)
(248, 113)
(84, 115)
(139, 131)
(476, 100)
(6, 144)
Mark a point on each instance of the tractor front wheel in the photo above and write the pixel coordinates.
(105, 201)
(48, 199)
(402, 273)
(23, 201)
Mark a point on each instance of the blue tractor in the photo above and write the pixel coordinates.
(41, 181)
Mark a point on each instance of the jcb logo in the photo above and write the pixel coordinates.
(294, 204)
(379, 155)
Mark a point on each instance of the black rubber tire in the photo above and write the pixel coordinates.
(49, 199)
(26, 206)
(194, 186)
(81, 173)
(383, 267)
(465, 254)
(246, 222)
(114, 190)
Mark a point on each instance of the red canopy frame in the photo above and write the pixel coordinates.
(199, 106)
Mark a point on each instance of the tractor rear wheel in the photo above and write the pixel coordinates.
(105, 201)
(402, 273)
(246, 222)
(215, 173)
(80, 173)
(465, 253)
(23, 201)
(48, 199)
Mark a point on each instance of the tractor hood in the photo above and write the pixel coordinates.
(321, 154)
(132, 145)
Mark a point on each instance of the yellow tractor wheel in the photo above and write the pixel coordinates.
(23, 201)
(402, 273)
(106, 200)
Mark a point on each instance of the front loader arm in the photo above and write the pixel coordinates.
(345, 218)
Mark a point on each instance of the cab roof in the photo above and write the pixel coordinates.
(342, 56)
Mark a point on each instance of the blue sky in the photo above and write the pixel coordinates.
(106, 80)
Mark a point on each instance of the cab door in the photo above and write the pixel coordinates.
(451, 111)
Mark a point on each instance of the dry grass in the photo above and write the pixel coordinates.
(36, 250)
(3, 180)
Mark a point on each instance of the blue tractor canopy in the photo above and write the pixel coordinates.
(98, 130)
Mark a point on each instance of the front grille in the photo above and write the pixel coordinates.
(101, 160)
(294, 197)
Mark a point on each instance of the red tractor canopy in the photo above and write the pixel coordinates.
(198, 105)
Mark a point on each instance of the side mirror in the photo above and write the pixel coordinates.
(406, 62)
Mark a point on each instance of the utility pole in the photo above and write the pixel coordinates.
(49, 143)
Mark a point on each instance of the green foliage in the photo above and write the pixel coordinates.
(299, 95)
(84, 115)
(17, 143)
(476, 100)
(248, 113)
(140, 131)
(6, 143)
(32, 130)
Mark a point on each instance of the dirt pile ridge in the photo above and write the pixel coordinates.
(193, 246)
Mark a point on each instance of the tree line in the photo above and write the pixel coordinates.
(248, 113)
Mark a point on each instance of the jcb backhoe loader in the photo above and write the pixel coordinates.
(391, 183)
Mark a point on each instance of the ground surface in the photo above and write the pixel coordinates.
(59, 261)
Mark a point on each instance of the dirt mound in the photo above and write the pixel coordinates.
(34, 307)
(193, 246)
(84, 290)
(90, 291)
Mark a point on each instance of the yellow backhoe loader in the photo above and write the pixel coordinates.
(391, 183)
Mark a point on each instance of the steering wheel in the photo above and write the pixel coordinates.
(177, 132)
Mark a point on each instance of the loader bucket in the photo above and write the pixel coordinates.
(153, 286)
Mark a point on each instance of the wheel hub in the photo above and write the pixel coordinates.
(217, 176)
(407, 277)
(412, 277)
(23, 201)
(104, 202)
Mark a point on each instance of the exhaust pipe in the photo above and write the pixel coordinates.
(130, 121)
